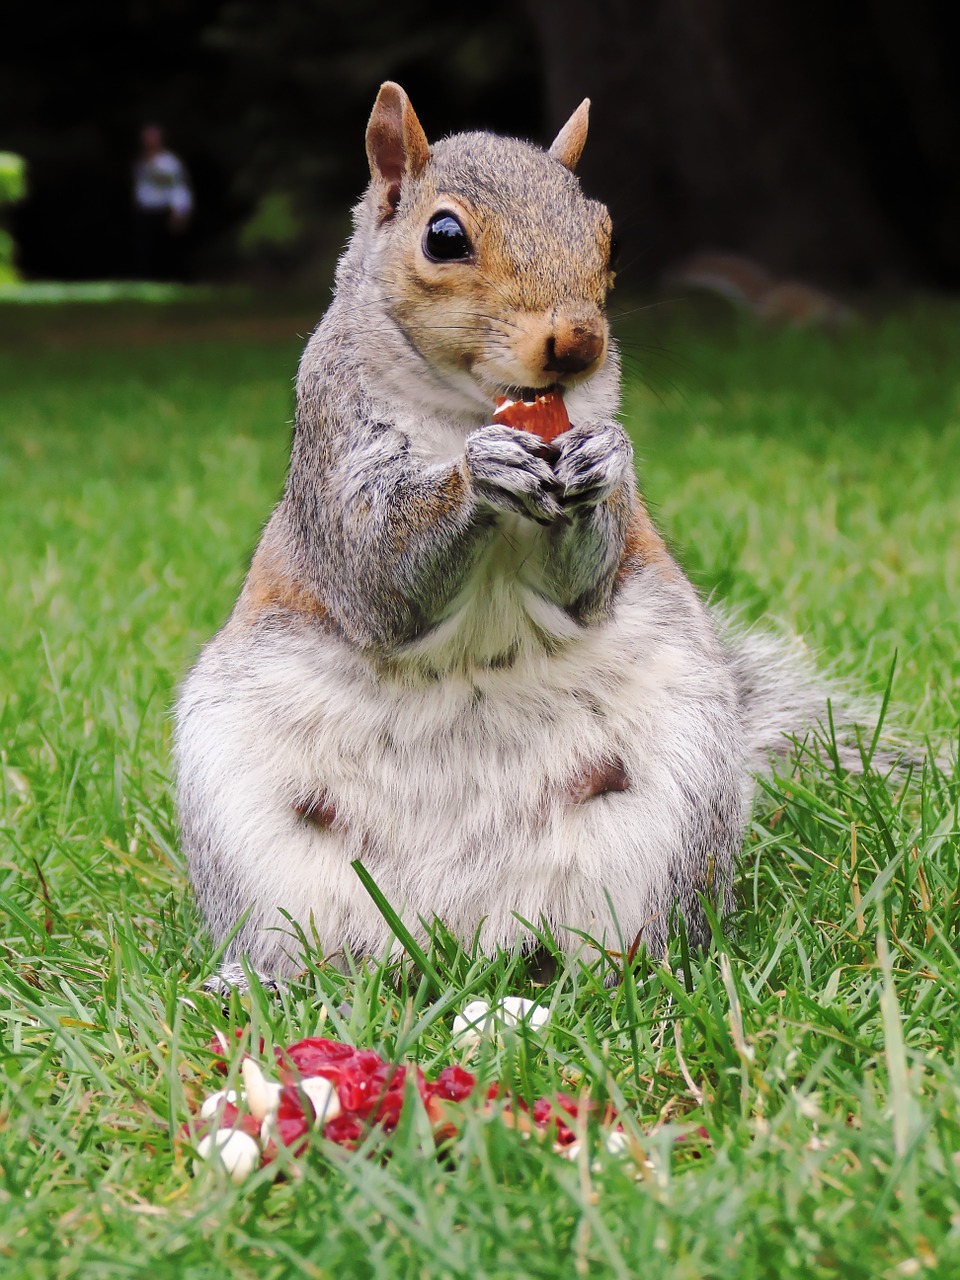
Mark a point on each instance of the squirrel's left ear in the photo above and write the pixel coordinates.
(397, 147)
(567, 146)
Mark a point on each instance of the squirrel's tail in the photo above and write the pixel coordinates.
(788, 703)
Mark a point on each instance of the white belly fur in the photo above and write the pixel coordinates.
(453, 790)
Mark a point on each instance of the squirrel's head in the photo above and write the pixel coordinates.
(489, 256)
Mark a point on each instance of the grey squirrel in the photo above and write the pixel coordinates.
(461, 656)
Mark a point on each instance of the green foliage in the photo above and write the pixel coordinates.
(8, 272)
(13, 187)
(140, 450)
(13, 177)
(274, 224)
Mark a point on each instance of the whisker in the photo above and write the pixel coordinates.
(655, 382)
(620, 313)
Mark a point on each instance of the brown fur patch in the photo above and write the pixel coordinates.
(430, 510)
(319, 809)
(643, 546)
(271, 587)
(597, 780)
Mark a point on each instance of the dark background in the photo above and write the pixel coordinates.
(820, 138)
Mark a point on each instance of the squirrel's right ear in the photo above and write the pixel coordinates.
(397, 147)
(567, 146)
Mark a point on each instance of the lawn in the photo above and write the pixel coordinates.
(795, 1094)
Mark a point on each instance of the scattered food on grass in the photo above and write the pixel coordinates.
(346, 1092)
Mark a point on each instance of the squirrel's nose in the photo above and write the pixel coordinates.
(572, 348)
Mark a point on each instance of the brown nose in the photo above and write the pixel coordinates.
(572, 348)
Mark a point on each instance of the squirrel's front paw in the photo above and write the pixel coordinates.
(593, 462)
(509, 473)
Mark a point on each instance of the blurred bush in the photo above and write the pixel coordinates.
(274, 231)
(13, 187)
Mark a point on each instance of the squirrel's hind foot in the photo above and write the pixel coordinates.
(236, 977)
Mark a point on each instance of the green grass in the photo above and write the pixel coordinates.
(809, 478)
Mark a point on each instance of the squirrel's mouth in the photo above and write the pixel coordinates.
(530, 393)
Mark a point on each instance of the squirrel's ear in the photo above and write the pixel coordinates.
(397, 147)
(567, 146)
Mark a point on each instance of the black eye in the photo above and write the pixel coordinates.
(445, 239)
(614, 252)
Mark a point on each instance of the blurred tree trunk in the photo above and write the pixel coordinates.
(821, 139)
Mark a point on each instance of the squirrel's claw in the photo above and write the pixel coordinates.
(508, 473)
(592, 463)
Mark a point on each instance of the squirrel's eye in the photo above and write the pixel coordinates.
(614, 252)
(445, 239)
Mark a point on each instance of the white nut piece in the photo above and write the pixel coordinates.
(478, 1019)
(210, 1106)
(263, 1095)
(234, 1149)
(617, 1143)
(473, 1023)
(513, 1010)
(323, 1098)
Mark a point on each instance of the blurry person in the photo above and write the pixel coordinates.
(163, 203)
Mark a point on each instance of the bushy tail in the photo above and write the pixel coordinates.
(789, 702)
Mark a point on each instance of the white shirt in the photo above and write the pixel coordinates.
(161, 183)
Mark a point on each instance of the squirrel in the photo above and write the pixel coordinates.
(462, 656)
